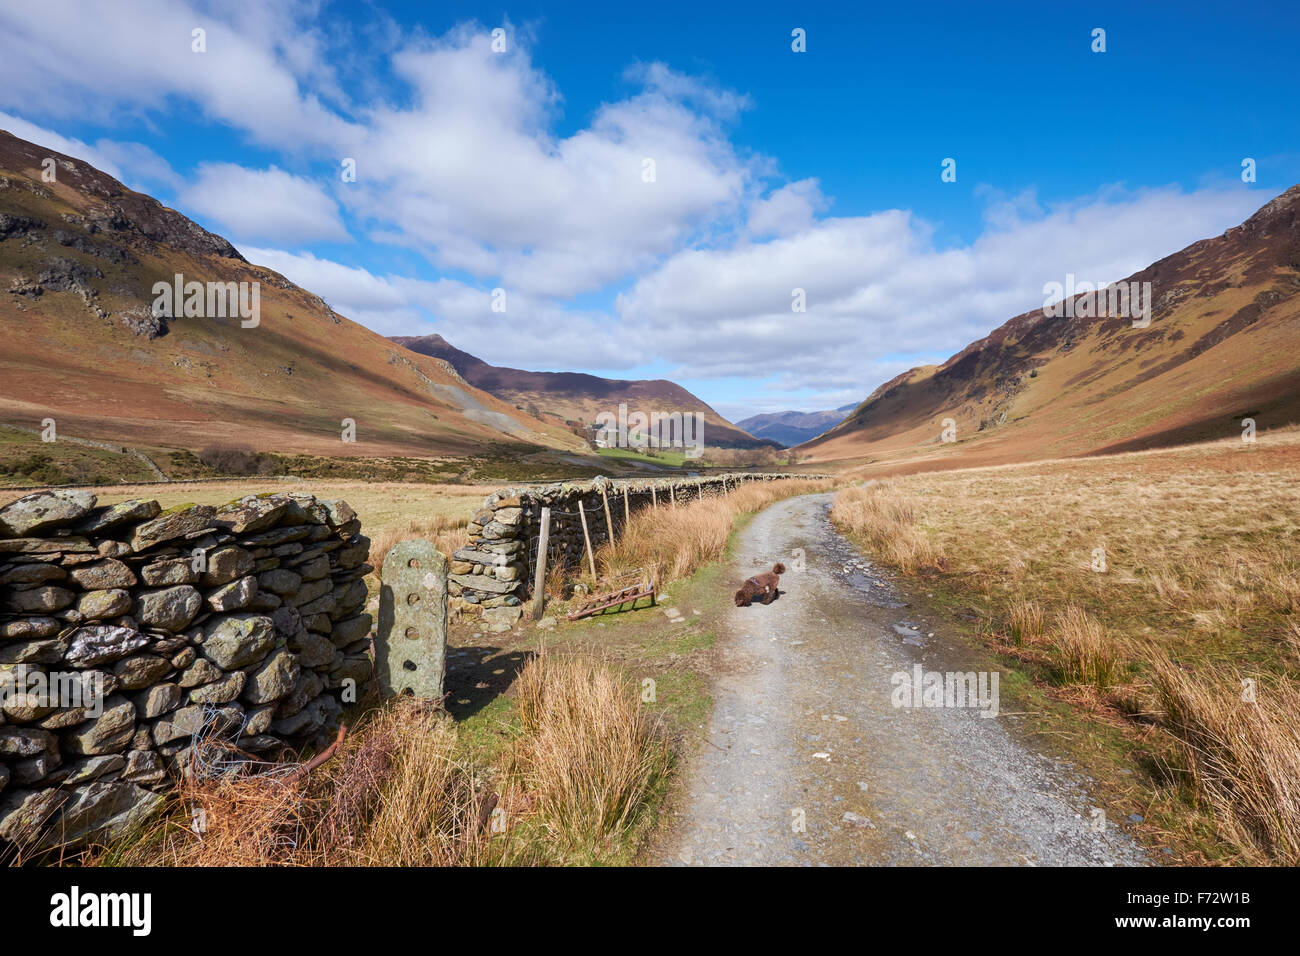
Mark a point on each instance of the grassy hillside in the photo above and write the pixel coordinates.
(78, 261)
(1221, 346)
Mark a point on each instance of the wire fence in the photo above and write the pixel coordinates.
(215, 753)
(619, 513)
(557, 556)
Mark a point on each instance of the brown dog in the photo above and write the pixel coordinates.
(761, 586)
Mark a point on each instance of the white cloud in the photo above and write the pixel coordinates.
(71, 60)
(881, 297)
(456, 159)
(531, 333)
(140, 164)
(343, 287)
(263, 204)
(787, 210)
(877, 287)
(470, 172)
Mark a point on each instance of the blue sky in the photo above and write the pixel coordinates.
(523, 169)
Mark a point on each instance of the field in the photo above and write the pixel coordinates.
(666, 458)
(1157, 593)
(382, 506)
(1199, 544)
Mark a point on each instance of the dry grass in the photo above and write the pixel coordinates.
(1242, 758)
(398, 794)
(678, 541)
(407, 797)
(1027, 622)
(1087, 654)
(576, 783)
(1200, 544)
(888, 521)
(1292, 638)
(590, 754)
(447, 532)
(1201, 568)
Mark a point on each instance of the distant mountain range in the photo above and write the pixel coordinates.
(1222, 345)
(577, 396)
(793, 428)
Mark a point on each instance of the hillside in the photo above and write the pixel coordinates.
(78, 261)
(1222, 345)
(577, 396)
(791, 428)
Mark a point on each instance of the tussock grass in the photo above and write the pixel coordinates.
(888, 521)
(398, 794)
(406, 795)
(1027, 621)
(1242, 759)
(1202, 544)
(584, 767)
(1086, 653)
(678, 541)
(590, 754)
(1291, 636)
(1201, 588)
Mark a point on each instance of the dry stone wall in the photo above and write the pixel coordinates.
(495, 570)
(127, 633)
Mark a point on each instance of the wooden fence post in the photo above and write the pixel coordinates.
(609, 522)
(627, 509)
(654, 498)
(539, 576)
(591, 557)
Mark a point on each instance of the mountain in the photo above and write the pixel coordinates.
(79, 257)
(1222, 345)
(578, 397)
(792, 428)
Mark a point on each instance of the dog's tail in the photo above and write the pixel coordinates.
(778, 568)
(740, 598)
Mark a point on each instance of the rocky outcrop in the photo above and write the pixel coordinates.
(128, 633)
(117, 210)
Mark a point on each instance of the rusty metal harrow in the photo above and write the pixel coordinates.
(627, 588)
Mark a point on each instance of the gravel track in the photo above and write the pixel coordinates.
(804, 730)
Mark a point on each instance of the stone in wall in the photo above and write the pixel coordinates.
(128, 632)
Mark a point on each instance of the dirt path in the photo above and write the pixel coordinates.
(804, 728)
